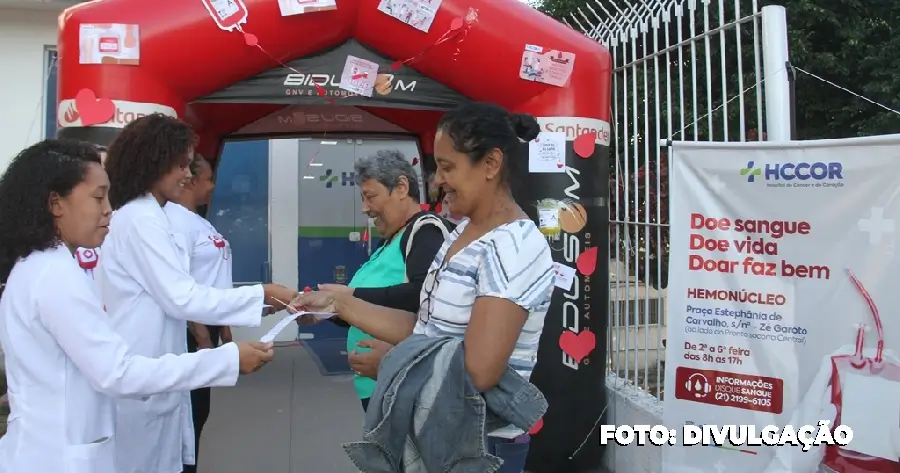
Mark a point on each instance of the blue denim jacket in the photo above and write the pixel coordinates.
(426, 416)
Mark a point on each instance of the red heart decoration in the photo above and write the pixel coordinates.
(251, 39)
(578, 346)
(584, 145)
(415, 160)
(424, 207)
(536, 427)
(93, 111)
(457, 23)
(438, 208)
(587, 261)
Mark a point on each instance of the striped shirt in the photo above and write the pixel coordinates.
(511, 262)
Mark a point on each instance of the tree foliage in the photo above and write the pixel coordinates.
(852, 43)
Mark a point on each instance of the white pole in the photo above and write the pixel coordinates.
(777, 88)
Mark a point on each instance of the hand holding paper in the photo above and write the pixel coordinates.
(314, 301)
(276, 295)
(253, 355)
(290, 318)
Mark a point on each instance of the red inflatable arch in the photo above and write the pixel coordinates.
(189, 67)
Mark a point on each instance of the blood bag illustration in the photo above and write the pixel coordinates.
(858, 387)
(228, 14)
(875, 445)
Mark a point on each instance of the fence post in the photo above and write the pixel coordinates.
(776, 87)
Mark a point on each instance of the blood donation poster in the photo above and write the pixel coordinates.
(766, 325)
(112, 43)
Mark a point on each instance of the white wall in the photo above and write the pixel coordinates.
(628, 405)
(24, 35)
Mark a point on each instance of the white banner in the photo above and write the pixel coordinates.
(763, 315)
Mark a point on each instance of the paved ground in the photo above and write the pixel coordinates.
(287, 418)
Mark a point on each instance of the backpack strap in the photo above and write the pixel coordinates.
(427, 219)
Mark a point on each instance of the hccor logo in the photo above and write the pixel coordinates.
(126, 112)
(331, 180)
(802, 171)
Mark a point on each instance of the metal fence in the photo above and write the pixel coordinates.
(684, 70)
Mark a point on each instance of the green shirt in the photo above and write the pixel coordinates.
(386, 267)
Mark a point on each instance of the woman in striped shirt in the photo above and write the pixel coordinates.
(492, 279)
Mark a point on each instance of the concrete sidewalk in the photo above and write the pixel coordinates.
(287, 418)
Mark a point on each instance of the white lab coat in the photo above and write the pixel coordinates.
(210, 252)
(150, 295)
(64, 362)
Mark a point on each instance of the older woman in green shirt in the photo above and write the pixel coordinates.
(394, 274)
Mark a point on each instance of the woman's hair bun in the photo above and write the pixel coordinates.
(525, 125)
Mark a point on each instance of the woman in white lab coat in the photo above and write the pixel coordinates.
(211, 260)
(149, 292)
(63, 360)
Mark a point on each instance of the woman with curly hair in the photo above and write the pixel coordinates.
(148, 289)
(64, 361)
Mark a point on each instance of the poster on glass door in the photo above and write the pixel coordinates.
(782, 307)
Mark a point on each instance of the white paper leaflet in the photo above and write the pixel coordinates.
(289, 319)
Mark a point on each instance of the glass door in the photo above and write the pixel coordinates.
(334, 238)
(329, 246)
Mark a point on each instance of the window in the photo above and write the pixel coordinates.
(50, 78)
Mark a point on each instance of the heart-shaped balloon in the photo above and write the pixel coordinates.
(93, 111)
